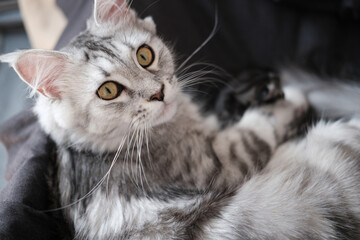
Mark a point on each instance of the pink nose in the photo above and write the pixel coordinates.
(158, 96)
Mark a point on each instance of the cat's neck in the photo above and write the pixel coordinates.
(186, 117)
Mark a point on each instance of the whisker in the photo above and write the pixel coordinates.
(201, 76)
(219, 70)
(96, 187)
(126, 157)
(116, 157)
(215, 70)
(132, 156)
(212, 34)
(136, 144)
(141, 169)
(147, 142)
(195, 91)
(129, 147)
(199, 80)
(148, 7)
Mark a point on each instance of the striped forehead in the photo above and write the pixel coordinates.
(114, 47)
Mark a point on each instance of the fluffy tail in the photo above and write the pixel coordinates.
(331, 98)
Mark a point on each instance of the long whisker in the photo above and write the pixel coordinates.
(147, 142)
(132, 157)
(149, 6)
(128, 140)
(96, 187)
(213, 32)
(116, 157)
(194, 73)
(201, 76)
(136, 144)
(128, 154)
(218, 69)
(195, 91)
(197, 80)
(141, 169)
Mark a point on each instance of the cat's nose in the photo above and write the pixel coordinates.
(158, 96)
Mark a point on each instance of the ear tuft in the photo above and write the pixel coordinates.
(40, 69)
(10, 57)
(111, 11)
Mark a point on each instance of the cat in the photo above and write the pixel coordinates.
(137, 160)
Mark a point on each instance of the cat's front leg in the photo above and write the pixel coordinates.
(246, 147)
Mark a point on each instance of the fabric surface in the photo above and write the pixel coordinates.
(26, 196)
(322, 36)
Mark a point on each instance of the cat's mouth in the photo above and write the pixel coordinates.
(169, 110)
(168, 107)
(165, 113)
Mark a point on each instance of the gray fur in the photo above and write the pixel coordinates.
(131, 168)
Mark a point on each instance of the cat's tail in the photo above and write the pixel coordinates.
(331, 98)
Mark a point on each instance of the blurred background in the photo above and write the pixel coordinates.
(24, 24)
(12, 90)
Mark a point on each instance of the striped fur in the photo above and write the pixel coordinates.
(132, 168)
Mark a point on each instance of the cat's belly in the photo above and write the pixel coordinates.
(114, 217)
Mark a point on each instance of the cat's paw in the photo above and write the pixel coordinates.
(297, 99)
(288, 114)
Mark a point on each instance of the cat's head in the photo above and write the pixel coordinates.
(115, 76)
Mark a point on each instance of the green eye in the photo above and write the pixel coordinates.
(145, 56)
(109, 90)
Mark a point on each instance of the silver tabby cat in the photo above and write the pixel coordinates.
(136, 160)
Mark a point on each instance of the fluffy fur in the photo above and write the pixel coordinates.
(135, 168)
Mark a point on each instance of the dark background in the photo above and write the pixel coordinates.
(323, 35)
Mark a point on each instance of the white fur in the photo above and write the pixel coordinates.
(121, 215)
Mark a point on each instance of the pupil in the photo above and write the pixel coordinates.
(108, 90)
(143, 57)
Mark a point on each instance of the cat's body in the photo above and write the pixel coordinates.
(136, 160)
(176, 197)
(173, 187)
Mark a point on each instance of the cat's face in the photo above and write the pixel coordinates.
(115, 76)
(128, 73)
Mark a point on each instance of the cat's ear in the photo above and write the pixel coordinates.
(40, 69)
(149, 24)
(112, 11)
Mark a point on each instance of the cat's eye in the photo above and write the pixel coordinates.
(109, 90)
(145, 56)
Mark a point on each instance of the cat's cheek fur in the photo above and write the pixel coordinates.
(54, 119)
(108, 127)
(64, 114)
